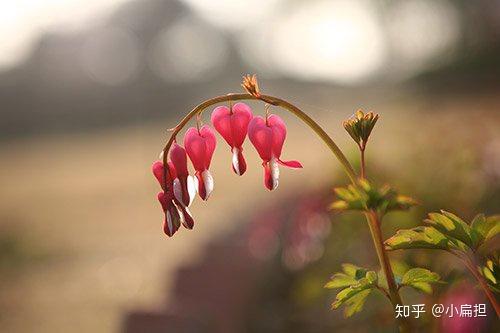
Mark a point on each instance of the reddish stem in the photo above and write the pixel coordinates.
(470, 263)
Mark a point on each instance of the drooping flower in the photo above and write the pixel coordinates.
(175, 213)
(232, 125)
(200, 145)
(183, 184)
(267, 136)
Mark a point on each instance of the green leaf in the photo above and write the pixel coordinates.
(357, 283)
(451, 225)
(420, 279)
(372, 277)
(340, 280)
(423, 286)
(489, 275)
(345, 294)
(479, 229)
(354, 271)
(418, 238)
(366, 196)
(355, 303)
(344, 194)
(494, 222)
(416, 275)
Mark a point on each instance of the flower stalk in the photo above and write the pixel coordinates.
(198, 110)
(378, 241)
(470, 263)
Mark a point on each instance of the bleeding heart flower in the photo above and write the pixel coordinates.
(268, 136)
(232, 125)
(175, 213)
(200, 145)
(183, 183)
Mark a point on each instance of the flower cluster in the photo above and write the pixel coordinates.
(233, 123)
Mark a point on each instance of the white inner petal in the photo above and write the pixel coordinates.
(236, 163)
(208, 181)
(181, 216)
(169, 222)
(192, 185)
(178, 190)
(161, 156)
(275, 172)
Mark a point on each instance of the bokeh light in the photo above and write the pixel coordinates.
(187, 50)
(329, 40)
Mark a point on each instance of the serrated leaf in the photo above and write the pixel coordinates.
(423, 286)
(345, 294)
(340, 280)
(417, 275)
(418, 238)
(357, 283)
(372, 277)
(353, 270)
(479, 228)
(451, 225)
(420, 279)
(355, 303)
(494, 221)
(344, 194)
(489, 275)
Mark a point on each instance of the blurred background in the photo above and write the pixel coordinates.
(89, 88)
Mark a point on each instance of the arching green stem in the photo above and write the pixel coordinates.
(270, 100)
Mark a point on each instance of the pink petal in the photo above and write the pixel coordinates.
(210, 141)
(157, 169)
(195, 148)
(172, 217)
(221, 119)
(261, 137)
(158, 173)
(291, 164)
(279, 133)
(179, 160)
(232, 126)
(242, 114)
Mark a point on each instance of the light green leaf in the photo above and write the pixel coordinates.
(489, 275)
(494, 221)
(423, 286)
(372, 277)
(340, 280)
(451, 225)
(479, 229)
(416, 275)
(355, 303)
(345, 194)
(354, 271)
(357, 283)
(418, 238)
(345, 294)
(420, 279)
